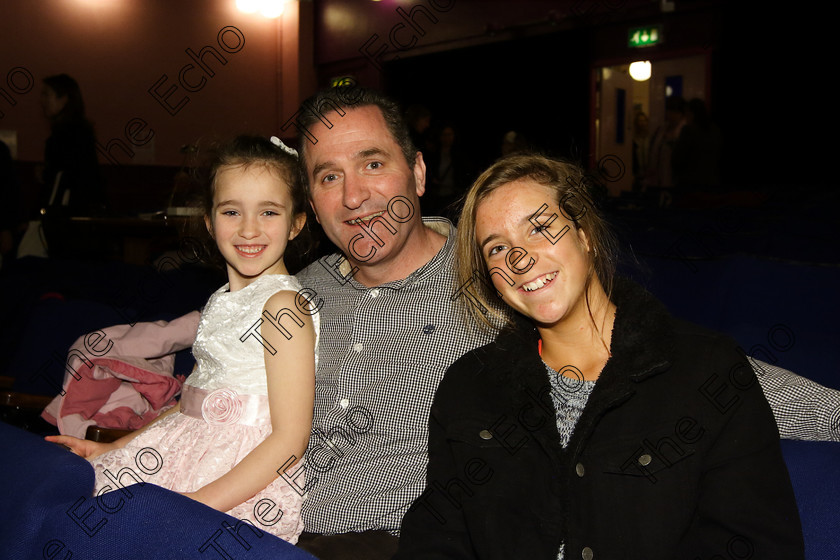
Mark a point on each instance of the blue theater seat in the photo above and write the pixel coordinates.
(48, 512)
(814, 468)
(784, 313)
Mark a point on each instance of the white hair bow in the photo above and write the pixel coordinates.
(279, 143)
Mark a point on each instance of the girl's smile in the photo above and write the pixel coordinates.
(252, 222)
(250, 250)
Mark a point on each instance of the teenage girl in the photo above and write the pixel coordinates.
(595, 425)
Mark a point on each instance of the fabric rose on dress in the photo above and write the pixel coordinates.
(222, 406)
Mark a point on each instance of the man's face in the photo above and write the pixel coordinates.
(355, 171)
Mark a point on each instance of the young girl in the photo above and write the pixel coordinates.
(595, 425)
(246, 410)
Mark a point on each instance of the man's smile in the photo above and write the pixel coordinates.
(364, 219)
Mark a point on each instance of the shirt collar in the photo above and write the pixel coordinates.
(435, 223)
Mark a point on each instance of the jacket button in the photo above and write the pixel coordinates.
(587, 554)
(580, 470)
(485, 434)
(645, 460)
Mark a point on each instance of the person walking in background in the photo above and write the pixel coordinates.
(641, 149)
(449, 173)
(659, 173)
(10, 218)
(71, 177)
(419, 119)
(696, 159)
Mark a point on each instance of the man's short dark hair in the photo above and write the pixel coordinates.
(340, 99)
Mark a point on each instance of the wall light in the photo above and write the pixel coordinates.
(640, 70)
(248, 6)
(266, 8)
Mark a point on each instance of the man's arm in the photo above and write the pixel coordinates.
(803, 409)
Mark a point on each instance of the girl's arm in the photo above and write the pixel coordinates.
(90, 449)
(290, 372)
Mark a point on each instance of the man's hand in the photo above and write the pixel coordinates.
(82, 447)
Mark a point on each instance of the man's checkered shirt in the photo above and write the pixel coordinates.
(383, 352)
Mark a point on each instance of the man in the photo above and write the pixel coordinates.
(390, 329)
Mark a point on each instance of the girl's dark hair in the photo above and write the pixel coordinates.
(247, 151)
(65, 86)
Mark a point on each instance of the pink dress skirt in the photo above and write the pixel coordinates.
(189, 449)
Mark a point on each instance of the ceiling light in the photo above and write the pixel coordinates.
(272, 8)
(640, 70)
(248, 6)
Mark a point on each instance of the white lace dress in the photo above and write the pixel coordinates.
(224, 414)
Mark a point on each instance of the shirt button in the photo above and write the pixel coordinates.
(358, 347)
(485, 434)
(587, 553)
(344, 403)
(580, 470)
(645, 460)
(374, 293)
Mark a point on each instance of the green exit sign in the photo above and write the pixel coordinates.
(644, 36)
(343, 81)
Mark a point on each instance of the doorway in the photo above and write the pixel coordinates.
(619, 98)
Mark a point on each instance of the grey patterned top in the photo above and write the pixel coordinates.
(569, 391)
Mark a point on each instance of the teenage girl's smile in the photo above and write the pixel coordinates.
(550, 268)
(538, 283)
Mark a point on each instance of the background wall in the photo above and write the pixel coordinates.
(769, 90)
(118, 49)
(613, 79)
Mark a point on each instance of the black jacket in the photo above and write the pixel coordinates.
(71, 150)
(676, 454)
